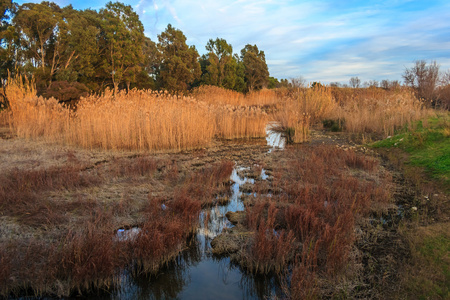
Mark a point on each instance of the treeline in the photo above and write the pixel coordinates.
(77, 51)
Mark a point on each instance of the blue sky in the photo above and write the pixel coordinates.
(323, 41)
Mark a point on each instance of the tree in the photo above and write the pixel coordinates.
(239, 84)
(124, 37)
(444, 91)
(423, 79)
(179, 66)
(298, 82)
(373, 83)
(355, 82)
(79, 52)
(255, 67)
(39, 27)
(273, 83)
(8, 39)
(219, 67)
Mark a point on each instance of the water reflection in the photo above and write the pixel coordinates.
(274, 138)
(196, 273)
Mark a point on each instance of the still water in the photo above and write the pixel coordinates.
(196, 273)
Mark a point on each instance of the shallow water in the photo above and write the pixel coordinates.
(274, 139)
(196, 273)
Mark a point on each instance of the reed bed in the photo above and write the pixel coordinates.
(221, 96)
(150, 121)
(377, 111)
(142, 120)
(240, 122)
(302, 108)
(137, 120)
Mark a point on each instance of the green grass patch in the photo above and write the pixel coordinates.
(428, 146)
(429, 276)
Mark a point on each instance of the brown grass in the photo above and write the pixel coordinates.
(271, 250)
(137, 120)
(76, 250)
(377, 111)
(303, 107)
(209, 182)
(221, 96)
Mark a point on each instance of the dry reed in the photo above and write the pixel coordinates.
(137, 120)
(301, 108)
(220, 96)
(378, 111)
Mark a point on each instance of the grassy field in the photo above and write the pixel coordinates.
(427, 143)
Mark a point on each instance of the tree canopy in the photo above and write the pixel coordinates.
(108, 48)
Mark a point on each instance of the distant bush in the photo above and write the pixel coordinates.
(65, 91)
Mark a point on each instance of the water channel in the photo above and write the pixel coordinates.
(196, 273)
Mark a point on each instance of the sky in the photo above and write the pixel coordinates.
(326, 41)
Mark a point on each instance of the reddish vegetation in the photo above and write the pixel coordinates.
(271, 250)
(318, 209)
(73, 260)
(206, 184)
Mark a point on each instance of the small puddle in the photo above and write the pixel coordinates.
(275, 139)
(123, 234)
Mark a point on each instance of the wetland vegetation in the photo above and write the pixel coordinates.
(164, 175)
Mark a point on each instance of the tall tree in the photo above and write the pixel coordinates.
(150, 65)
(8, 39)
(220, 65)
(256, 70)
(78, 53)
(39, 27)
(37, 23)
(124, 35)
(179, 66)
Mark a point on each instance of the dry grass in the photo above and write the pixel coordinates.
(301, 108)
(137, 120)
(141, 120)
(240, 122)
(146, 120)
(65, 243)
(377, 111)
(220, 96)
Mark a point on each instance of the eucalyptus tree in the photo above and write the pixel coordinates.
(179, 66)
(79, 51)
(123, 35)
(40, 29)
(256, 70)
(8, 39)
